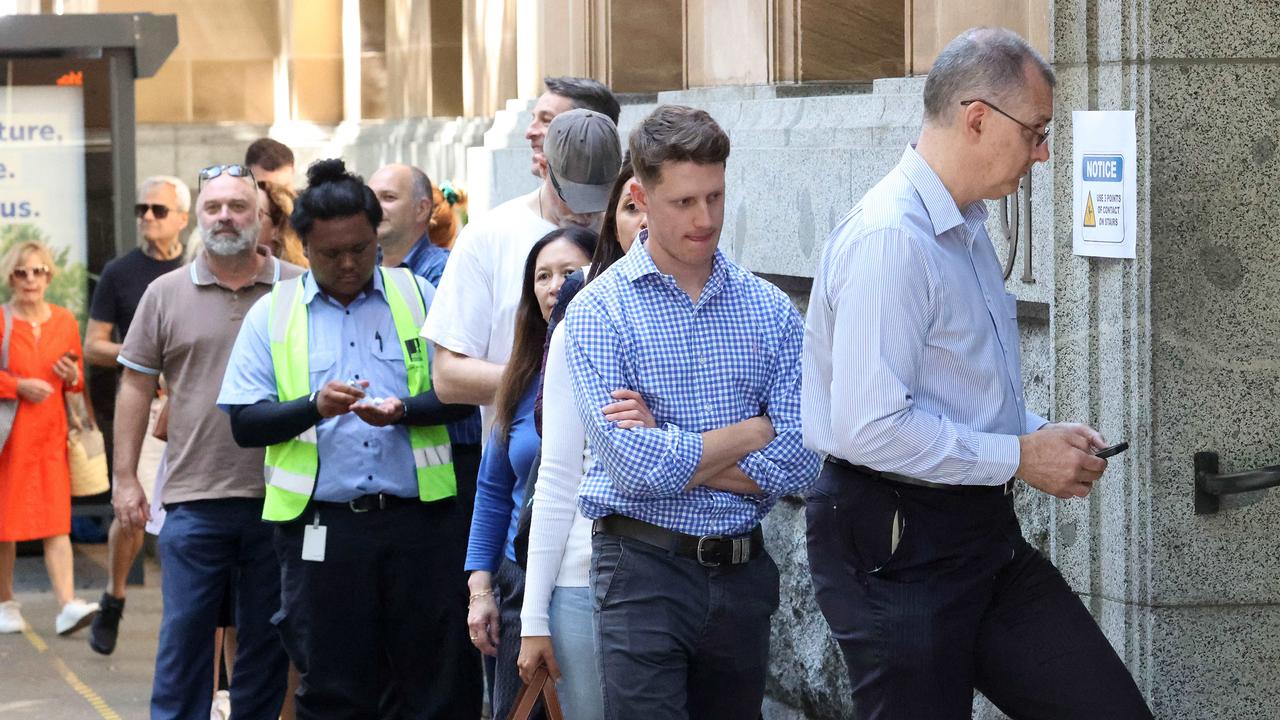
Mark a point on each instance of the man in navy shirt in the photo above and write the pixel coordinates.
(404, 192)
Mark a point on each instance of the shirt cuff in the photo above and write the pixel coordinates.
(998, 459)
(534, 626)
(136, 366)
(756, 466)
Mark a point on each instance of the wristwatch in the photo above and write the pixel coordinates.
(312, 401)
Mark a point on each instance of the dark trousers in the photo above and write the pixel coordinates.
(203, 546)
(509, 587)
(961, 602)
(679, 640)
(385, 607)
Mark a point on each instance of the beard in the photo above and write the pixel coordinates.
(218, 241)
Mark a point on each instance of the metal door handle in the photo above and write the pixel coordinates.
(1212, 485)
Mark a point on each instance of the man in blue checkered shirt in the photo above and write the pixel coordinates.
(683, 585)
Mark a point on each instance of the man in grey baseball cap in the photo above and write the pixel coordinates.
(583, 157)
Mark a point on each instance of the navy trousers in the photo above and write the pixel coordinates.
(387, 608)
(959, 602)
(203, 546)
(679, 641)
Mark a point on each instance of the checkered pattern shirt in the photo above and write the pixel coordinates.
(732, 355)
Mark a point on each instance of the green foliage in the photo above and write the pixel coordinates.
(70, 286)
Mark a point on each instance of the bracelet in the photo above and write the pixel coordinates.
(477, 596)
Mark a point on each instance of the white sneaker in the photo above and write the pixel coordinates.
(11, 617)
(221, 709)
(75, 615)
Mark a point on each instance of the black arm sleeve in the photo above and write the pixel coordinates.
(426, 409)
(267, 423)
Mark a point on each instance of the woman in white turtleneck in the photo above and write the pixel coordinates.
(556, 620)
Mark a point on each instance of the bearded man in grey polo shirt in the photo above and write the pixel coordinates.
(185, 327)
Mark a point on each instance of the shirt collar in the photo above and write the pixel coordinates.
(202, 275)
(310, 289)
(638, 263)
(938, 202)
(421, 247)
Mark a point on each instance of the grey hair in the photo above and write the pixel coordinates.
(421, 185)
(179, 188)
(982, 62)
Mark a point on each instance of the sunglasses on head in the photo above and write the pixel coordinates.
(159, 211)
(35, 271)
(214, 171)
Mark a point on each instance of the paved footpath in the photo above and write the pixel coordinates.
(46, 677)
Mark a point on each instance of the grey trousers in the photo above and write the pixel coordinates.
(679, 640)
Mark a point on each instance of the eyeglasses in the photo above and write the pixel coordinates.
(214, 171)
(159, 211)
(35, 271)
(1040, 137)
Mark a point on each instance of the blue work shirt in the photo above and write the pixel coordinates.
(356, 341)
(504, 472)
(427, 260)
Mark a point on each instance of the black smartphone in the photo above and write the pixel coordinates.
(1116, 449)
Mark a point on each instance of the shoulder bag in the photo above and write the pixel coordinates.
(8, 406)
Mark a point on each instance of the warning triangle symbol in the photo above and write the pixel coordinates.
(1089, 219)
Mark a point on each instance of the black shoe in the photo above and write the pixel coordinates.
(102, 634)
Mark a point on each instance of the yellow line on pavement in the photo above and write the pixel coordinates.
(94, 699)
(35, 640)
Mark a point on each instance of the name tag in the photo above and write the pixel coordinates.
(313, 539)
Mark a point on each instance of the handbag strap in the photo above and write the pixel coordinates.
(8, 330)
(527, 699)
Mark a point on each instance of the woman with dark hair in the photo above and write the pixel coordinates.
(507, 460)
(556, 620)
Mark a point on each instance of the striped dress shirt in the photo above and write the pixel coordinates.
(732, 355)
(911, 343)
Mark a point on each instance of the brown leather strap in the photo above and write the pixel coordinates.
(542, 686)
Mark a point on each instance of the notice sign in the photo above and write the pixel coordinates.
(1106, 187)
(42, 182)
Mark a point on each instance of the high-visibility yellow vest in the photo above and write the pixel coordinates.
(292, 466)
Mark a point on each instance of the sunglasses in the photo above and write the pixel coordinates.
(214, 171)
(35, 271)
(160, 212)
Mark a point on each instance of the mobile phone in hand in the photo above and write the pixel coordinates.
(1116, 449)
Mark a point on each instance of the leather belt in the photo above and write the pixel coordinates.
(376, 501)
(1005, 488)
(708, 550)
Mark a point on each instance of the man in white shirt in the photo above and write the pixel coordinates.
(472, 319)
(564, 94)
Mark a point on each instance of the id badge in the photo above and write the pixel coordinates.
(313, 539)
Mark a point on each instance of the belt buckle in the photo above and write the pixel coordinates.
(352, 503)
(702, 540)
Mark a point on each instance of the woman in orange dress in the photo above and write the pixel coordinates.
(35, 479)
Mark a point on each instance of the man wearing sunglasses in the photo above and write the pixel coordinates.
(186, 326)
(912, 387)
(162, 212)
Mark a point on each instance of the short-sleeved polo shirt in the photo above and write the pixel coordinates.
(185, 327)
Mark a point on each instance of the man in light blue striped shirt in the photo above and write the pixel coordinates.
(684, 587)
(912, 387)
